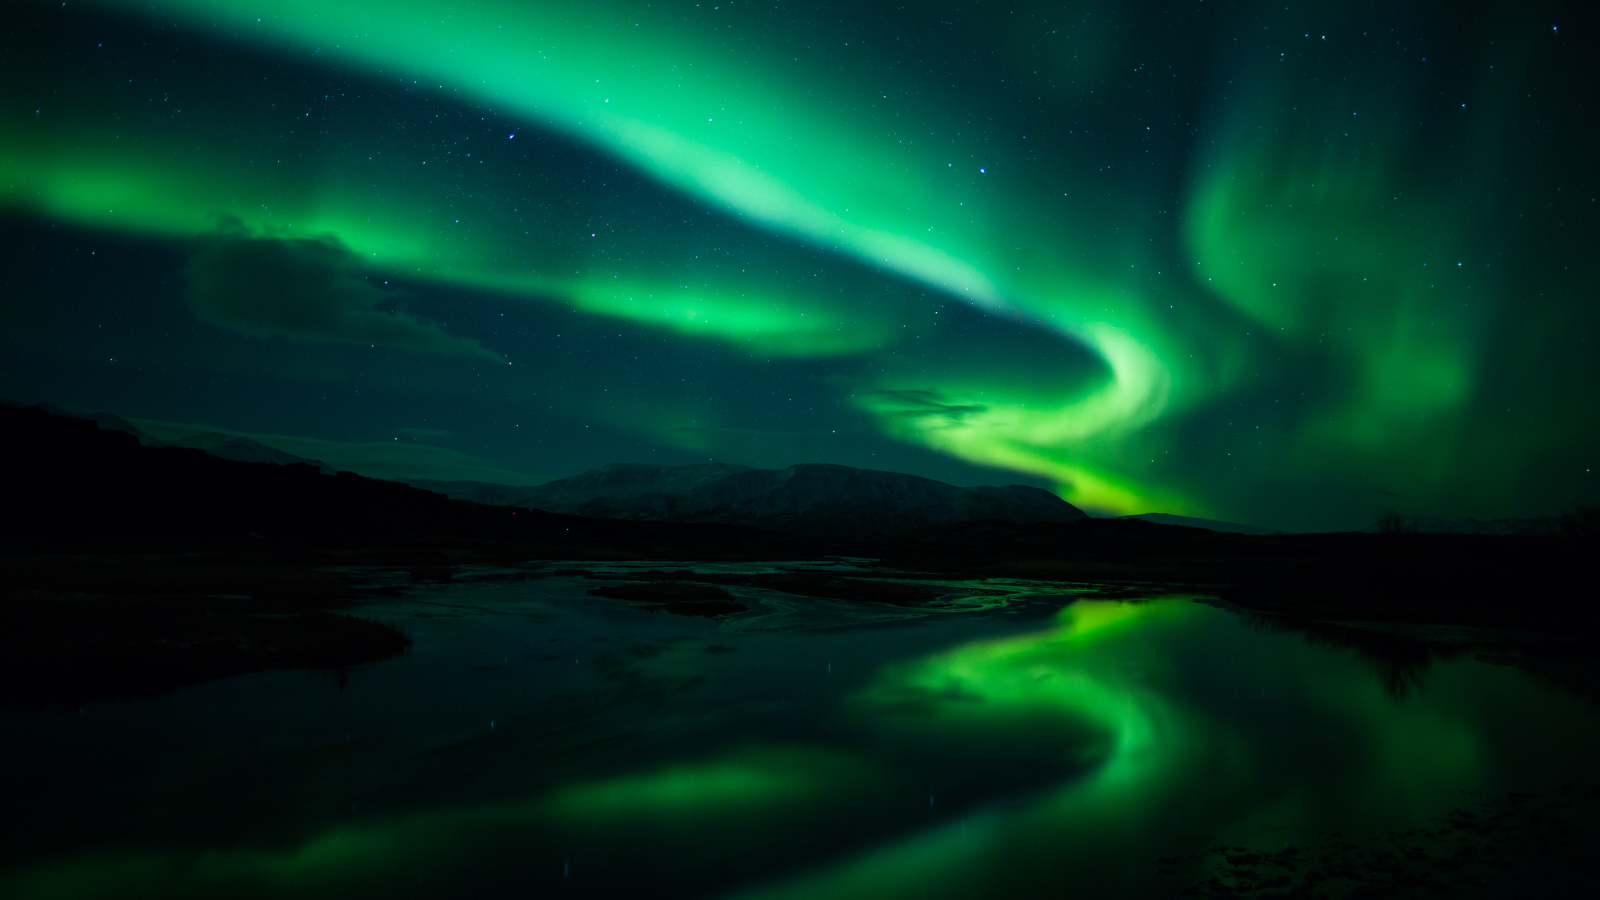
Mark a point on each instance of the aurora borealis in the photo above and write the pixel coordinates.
(1288, 266)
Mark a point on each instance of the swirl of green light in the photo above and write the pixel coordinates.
(736, 129)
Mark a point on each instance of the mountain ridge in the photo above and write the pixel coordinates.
(222, 446)
(807, 498)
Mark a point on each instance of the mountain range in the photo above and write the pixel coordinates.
(813, 498)
(224, 446)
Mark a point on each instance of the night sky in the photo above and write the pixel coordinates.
(1282, 263)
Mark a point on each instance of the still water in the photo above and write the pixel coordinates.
(1012, 739)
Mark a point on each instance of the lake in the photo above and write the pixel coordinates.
(1010, 738)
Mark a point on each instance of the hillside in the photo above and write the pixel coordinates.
(811, 499)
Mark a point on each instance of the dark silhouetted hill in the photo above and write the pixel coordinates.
(227, 446)
(70, 485)
(813, 499)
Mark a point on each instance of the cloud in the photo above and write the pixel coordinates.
(307, 290)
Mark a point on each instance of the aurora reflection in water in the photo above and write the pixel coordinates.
(996, 743)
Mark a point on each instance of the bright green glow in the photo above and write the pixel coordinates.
(752, 144)
(1073, 672)
(748, 783)
(1149, 709)
(1049, 439)
(747, 188)
(720, 801)
(1306, 298)
(1314, 221)
(775, 323)
(1055, 674)
(159, 191)
(1311, 254)
(781, 156)
(395, 229)
(1049, 672)
(1162, 755)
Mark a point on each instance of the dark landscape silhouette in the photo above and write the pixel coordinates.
(132, 568)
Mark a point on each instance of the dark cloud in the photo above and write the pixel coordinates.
(309, 290)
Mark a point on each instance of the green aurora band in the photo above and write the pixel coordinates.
(1312, 253)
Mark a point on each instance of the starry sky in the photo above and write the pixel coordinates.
(1290, 264)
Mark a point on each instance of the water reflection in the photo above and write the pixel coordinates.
(1010, 738)
(1400, 654)
(1398, 663)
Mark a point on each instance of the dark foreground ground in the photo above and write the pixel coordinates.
(128, 569)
